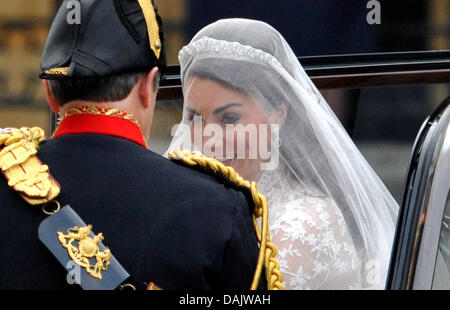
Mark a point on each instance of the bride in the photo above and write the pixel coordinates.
(331, 217)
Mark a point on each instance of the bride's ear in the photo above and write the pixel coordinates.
(148, 90)
(279, 114)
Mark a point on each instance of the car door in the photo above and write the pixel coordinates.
(421, 251)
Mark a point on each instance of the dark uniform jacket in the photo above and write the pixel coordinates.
(165, 223)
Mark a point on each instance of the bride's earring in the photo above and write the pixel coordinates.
(275, 138)
(274, 153)
(59, 119)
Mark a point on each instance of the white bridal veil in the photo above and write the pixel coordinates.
(316, 154)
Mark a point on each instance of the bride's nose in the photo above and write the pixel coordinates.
(213, 144)
(197, 126)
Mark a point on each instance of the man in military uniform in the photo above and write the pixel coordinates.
(165, 224)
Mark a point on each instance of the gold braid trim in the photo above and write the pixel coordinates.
(97, 110)
(152, 26)
(267, 251)
(58, 71)
(24, 171)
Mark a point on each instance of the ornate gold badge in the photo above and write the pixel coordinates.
(86, 249)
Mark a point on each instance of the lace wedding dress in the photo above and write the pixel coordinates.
(315, 248)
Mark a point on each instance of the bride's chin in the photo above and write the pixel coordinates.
(230, 163)
(242, 167)
(246, 169)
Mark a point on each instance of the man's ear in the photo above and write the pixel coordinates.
(52, 103)
(148, 89)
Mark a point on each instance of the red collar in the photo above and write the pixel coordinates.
(100, 124)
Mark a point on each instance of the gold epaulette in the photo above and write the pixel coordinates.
(25, 173)
(268, 250)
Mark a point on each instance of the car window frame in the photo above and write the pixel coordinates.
(428, 250)
(417, 235)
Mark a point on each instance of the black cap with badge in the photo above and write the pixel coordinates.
(108, 37)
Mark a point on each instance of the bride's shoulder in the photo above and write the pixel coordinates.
(290, 200)
(317, 211)
(302, 198)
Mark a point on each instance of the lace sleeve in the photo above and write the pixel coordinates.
(315, 248)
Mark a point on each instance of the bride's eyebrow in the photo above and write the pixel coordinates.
(221, 109)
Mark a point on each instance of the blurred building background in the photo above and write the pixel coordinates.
(387, 118)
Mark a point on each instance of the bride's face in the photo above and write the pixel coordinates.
(228, 124)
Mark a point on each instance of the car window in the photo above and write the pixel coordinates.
(387, 118)
(441, 279)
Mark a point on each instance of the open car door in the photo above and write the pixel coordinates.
(421, 255)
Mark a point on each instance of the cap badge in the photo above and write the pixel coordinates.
(87, 249)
